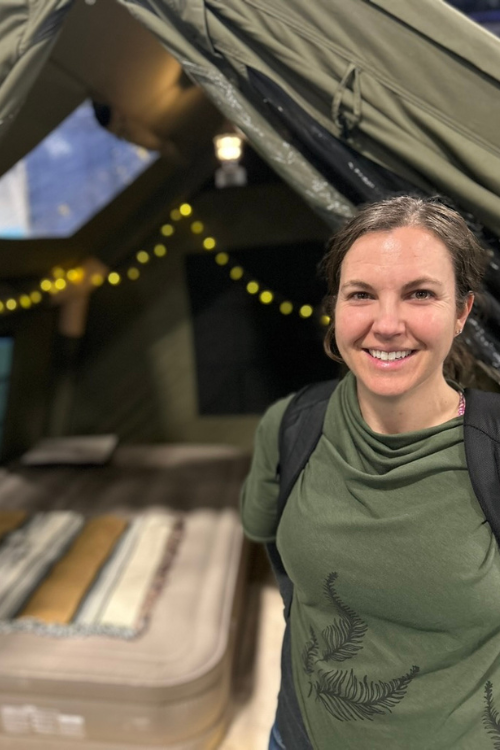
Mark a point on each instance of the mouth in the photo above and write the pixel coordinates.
(389, 358)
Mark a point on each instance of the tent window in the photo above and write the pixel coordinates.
(68, 178)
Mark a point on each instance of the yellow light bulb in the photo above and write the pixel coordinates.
(25, 301)
(236, 273)
(306, 311)
(142, 256)
(97, 279)
(2, 308)
(197, 227)
(11, 304)
(160, 251)
(325, 320)
(222, 259)
(266, 297)
(175, 214)
(60, 284)
(133, 273)
(185, 209)
(167, 230)
(286, 308)
(252, 287)
(58, 272)
(36, 297)
(75, 275)
(46, 285)
(114, 278)
(209, 243)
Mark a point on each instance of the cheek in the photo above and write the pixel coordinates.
(433, 324)
(351, 323)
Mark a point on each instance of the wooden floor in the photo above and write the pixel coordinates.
(258, 664)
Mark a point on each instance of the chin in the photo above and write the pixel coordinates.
(388, 392)
(387, 386)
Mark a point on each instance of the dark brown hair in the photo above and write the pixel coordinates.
(447, 225)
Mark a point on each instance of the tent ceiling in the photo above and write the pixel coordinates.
(157, 106)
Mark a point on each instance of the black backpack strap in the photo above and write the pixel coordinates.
(300, 430)
(482, 450)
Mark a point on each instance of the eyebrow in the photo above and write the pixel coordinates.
(422, 281)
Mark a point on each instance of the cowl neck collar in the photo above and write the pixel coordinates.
(346, 428)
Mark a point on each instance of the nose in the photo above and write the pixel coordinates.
(388, 320)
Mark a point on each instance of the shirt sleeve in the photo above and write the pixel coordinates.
(261, 488)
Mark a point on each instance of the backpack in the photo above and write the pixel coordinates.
(300, 430)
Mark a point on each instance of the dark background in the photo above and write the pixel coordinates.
(248, 354)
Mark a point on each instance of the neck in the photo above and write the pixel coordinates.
(415, 411)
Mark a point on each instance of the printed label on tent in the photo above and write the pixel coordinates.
(29, 719)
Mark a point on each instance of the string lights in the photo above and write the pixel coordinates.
(60, 279)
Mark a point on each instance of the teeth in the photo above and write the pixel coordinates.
(389, 356)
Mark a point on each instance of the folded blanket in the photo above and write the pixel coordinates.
(101, 593)
(62, 575)
(58, 597)
(124, 606)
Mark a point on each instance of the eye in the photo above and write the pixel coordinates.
(422, 294)
(359, 295)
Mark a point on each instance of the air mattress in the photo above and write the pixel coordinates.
(169, 687)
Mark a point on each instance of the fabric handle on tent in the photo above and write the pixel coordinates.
(345, 121)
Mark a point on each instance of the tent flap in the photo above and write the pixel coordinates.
(28, 31)
(414, 88)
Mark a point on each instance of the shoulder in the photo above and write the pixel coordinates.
(261, 488)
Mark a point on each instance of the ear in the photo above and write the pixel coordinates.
(467, 308)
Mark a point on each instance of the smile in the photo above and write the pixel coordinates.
(390, 356)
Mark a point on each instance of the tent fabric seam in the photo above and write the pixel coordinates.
(299, 27)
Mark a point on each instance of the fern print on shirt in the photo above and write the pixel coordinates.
(344, 695)
(491, 719)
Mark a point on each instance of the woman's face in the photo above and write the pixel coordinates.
(396, 314)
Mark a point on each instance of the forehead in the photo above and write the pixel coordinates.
(403, 251)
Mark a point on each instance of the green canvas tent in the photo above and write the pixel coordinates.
(412, 87)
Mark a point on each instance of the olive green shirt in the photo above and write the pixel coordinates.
(395, 620)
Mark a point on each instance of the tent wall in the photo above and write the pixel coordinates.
(30, 386)
(137, 375)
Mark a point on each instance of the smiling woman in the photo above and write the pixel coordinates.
(389, 572)
(402, 277)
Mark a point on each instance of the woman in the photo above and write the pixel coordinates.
(395, 631)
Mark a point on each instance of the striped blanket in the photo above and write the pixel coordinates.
(62, 574)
